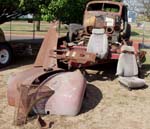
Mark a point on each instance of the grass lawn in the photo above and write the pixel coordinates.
(23, 27)
(137, 32)
(147, 57)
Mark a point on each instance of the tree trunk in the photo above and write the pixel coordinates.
(38, 25)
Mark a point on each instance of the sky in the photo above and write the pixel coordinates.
(134, 5)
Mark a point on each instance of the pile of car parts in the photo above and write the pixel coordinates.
(45, 88)
(48, 89)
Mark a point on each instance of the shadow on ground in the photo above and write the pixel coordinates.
(104, 72)
(145, 71)
(20, 61)
(133, 33)
(26, 40)
(92, 98)
(21, 57)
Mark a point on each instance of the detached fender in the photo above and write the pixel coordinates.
(17, 79)
(69, 89)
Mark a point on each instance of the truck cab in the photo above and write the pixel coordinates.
(112, 16)
(104, 31)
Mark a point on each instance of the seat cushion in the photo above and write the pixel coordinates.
(127, 69)
(127, 65)
(98, 43)
(98, 31)
(132, 82)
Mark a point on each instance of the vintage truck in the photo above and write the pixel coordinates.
(98, 40)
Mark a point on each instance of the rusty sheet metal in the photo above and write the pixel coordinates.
(77, 56)
(43, 61)
(136, 47)
(69, 88)
(67, 93)
(44, 124)
(16, 80)
(29, 96)
(50, 43)
(24, 78)
(120, 4)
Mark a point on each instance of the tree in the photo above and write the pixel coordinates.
(64, 10)
(67, 11)
(146, 8)
(10, 9)
(132, 5)
(140, 6)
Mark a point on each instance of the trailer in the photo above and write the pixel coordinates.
(14, 45)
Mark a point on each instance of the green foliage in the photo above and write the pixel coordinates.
(10, 9)
(67, 11)
(111, 9)
(64, 10)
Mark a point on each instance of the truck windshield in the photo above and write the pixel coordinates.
(105, 7)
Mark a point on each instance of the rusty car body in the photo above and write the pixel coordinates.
(106, 18)
(112, 16)
(45, 88)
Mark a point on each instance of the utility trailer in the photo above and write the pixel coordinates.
(9, 48)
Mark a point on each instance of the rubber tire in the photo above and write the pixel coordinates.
(72, 38)
(6, 47)
(128, 32)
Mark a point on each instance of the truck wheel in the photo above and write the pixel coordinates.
(5, 55)
(128, 32)
(70, 37)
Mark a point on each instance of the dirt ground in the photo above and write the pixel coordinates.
(107, 105)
